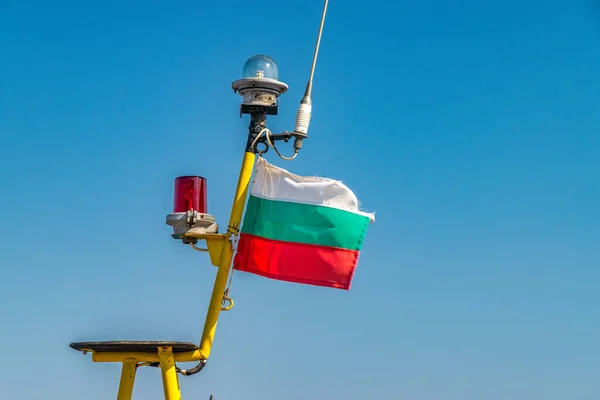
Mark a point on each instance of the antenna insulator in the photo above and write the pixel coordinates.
(303, 116)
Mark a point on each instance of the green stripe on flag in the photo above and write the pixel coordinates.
(304, 223)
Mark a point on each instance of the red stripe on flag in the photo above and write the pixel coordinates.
(296, 262)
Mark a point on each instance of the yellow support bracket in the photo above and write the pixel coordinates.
(188, 356)
(235, 220)
(133, 354)
(214, 244)
(127, 379)
(169, 374)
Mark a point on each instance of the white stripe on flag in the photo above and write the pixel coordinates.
(274, 183)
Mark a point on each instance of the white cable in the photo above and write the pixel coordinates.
(277, 151)
(200, 249)
(268, 135)
(258, 137)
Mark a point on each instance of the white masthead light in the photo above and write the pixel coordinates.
(260, 87)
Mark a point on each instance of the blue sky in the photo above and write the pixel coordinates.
(471, 129)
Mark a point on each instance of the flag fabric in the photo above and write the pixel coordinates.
(301, 229)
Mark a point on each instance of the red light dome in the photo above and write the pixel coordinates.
(190, 194)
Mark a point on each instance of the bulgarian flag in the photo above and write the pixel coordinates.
(301, 229)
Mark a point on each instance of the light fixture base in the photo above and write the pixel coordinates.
(191, 222)
(259, 93)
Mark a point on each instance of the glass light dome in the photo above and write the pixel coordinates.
(261, 66)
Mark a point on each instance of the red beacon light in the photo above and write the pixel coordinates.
(190, 214)
(190, 194)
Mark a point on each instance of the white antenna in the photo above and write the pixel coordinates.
(305, 109)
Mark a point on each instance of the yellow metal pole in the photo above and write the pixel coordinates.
(235, 220)
(127, 379)
(169, 374)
